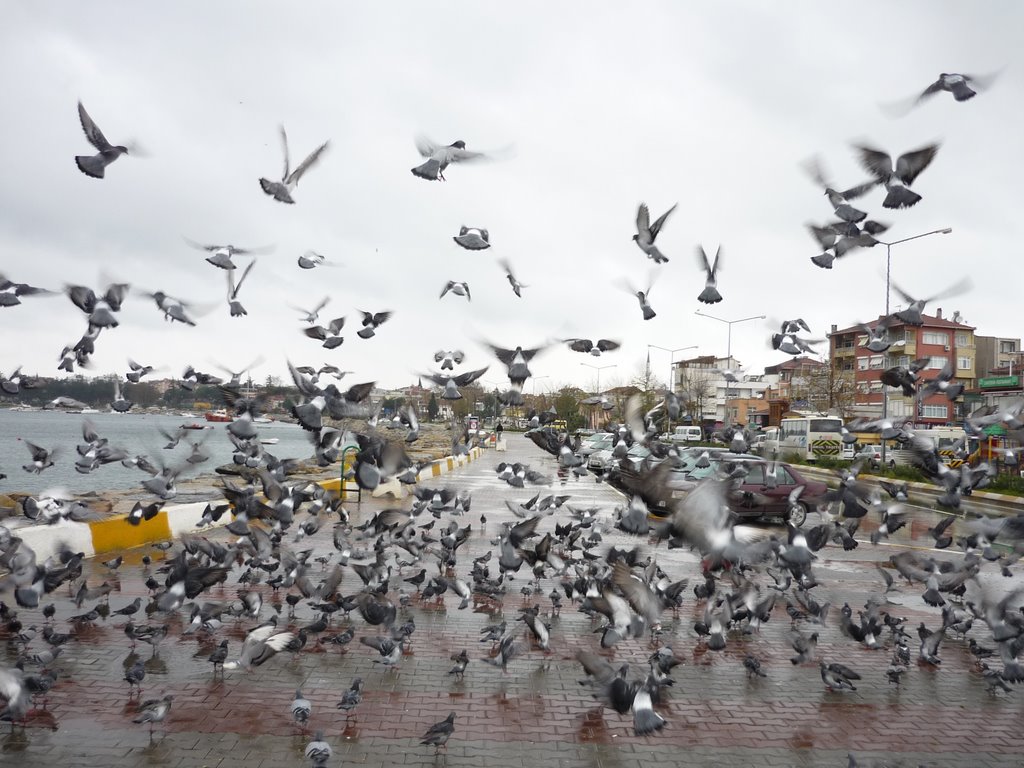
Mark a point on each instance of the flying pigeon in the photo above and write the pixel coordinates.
(710, 294)
(517, 287)
(96, 165)
(438, 158)
(310, 316)
(473, 238)
(234, 305)
(647, 233)
(173, 309)
(591, 347)
(282, 190)
(220, 255)
(839, 200)
(908, 167)
(312, 259)
(449, 359)
(458, 288)
(371, 322)
(643, 297)
(452, 383)
(330, 336)
(912, 314)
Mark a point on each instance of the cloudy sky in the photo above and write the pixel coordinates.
(713, 106)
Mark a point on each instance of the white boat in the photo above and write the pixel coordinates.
(187, 415)
(263, 420)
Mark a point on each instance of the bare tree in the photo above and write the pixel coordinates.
(696, 387)
(826, 389)
(649, 385)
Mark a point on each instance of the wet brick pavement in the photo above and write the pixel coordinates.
(537, 714)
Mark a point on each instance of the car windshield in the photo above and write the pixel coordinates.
(638, 452)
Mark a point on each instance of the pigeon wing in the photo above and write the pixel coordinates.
(875, 162)
(660, 222)
(92, 132)
(910, 164)
(643, 219)
(308, 163)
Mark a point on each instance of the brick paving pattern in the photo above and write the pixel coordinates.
(535, 714)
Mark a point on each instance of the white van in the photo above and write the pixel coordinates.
(687, 435)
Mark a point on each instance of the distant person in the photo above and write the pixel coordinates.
(498, 429)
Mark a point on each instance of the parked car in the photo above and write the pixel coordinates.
(598, 441)
(686, 434)
(760, 496)
(872, 454)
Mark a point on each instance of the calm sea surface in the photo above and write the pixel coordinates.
(136, 433)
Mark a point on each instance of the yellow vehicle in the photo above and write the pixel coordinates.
(560, 425)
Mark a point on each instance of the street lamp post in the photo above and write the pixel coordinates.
(888, 269)
(730, 323)
(597, 368)
(671, 365)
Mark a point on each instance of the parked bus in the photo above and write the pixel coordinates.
(813, 437)
(949, 441)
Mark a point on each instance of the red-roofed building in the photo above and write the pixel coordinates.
(940, 340)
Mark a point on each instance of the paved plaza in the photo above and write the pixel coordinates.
(536, 713)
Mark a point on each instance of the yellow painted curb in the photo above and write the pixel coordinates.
(117, 533)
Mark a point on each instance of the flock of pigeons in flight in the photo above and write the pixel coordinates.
(625, 590)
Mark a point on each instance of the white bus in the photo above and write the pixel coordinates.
(813, 437)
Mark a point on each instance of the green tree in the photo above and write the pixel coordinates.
(432, 407)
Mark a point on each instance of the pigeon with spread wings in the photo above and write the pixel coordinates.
(96, 165)
(647, 233)
(282, 190)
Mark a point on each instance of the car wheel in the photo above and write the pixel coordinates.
(797, 514)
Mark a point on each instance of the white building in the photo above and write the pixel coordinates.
(707, 382)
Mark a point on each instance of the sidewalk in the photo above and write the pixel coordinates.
(535, 715)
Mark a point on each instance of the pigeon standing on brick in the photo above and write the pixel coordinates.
(438, 734)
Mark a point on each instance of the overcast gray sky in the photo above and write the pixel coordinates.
(711, 105)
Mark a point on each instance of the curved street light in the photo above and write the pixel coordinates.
(730, 323)
(888, 269)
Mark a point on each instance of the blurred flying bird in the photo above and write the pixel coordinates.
(647, 233)
(96, 165)
(282, 190)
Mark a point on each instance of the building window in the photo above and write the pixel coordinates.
(877, 361)
(938, 362)
(1007, 347)
(934, 337)
(934, 411)
(876, 386)
(862, 363)
(964, 363)
(962, 340)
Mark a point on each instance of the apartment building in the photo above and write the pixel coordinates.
(938, 339)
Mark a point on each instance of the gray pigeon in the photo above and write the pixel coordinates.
(912, 314)
(958, 85)
(896, 179)
(440, 157)
(517, 287)
(220, 255)
(647, 233)
(234, 305)
(96, 165)
(710, 294)
(458, 288)
(473, 238)
(282, 190)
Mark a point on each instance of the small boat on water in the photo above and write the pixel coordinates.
(220, 415)
(187, 415)
(194, 426)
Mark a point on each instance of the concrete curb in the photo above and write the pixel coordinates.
(116, 533)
